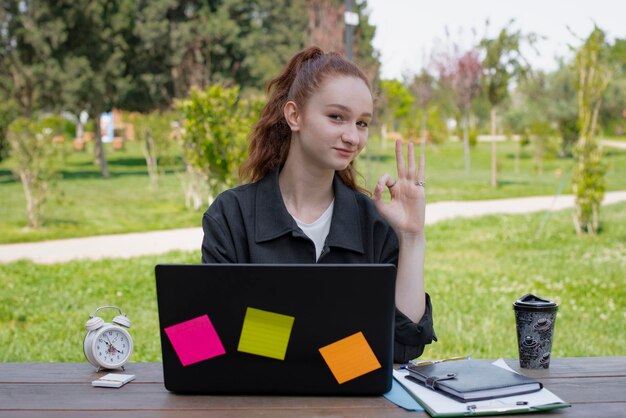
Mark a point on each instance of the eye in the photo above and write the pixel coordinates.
(335, 117)
(362, 124)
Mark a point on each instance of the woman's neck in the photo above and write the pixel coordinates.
(306, 192)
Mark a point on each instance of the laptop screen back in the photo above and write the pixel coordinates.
(277, 329)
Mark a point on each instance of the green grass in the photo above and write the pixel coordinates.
(84, 204)
(475, 269)
(446, 178)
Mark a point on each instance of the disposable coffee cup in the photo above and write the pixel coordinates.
(534, 320)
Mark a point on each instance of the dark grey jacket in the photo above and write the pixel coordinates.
(250, 224)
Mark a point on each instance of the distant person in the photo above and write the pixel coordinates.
(302, 203)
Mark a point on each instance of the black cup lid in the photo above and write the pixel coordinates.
(533, 302)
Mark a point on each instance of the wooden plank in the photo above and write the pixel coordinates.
(73, 372)
(153, 372)
(64, 389)
(576, 367)
(149, 396)
(589, 389)
(270, 413)
(155, 396)
(606, 410)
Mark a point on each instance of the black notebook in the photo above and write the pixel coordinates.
(472, 380)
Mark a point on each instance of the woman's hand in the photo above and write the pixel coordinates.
(406, 211)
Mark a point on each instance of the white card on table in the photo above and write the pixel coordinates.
(113, 380)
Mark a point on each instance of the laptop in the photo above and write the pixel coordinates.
(307, 329)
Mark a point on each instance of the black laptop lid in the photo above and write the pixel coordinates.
(277, 329)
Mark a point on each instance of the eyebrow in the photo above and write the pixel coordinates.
(347, 109)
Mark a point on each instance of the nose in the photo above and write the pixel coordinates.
(350, 135)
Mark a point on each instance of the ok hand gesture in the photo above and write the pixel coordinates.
(406, 211)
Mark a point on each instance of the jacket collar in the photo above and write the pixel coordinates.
(272, 219)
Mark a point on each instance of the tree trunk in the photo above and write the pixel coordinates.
(383, 136)
(466, 144)
(31, 206)
(99, 149)
(494, 161)
(424, 130)
(150, 154)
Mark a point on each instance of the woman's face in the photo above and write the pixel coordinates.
(333, 125)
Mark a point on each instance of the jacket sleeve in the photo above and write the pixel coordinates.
(217, 245)
(411, 337)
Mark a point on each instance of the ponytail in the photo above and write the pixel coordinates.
(271, 136)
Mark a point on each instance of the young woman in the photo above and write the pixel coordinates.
(302, 203)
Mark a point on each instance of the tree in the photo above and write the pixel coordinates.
(35, 161)
(154, 130)
(611, 117)
(503, 62)
(527, 116)
(214, 137)
(423, 88)
(594, 76)
(394, 105)
(460, 72)
(563, 106)
(68, 55)
(8, 112)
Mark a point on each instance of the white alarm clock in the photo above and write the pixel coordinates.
(108, 345)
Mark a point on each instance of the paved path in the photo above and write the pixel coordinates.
(190, 239)
(613, 144)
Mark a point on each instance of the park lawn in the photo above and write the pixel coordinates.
(447, 180)
(475, 269)
(85, 204)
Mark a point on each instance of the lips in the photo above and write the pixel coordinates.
(344, 152)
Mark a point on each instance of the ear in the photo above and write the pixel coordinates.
(292, 115)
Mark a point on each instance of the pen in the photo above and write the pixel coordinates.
(416, 362)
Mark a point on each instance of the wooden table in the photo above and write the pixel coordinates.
(596, 387)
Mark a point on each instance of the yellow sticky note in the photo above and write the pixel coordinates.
(350, 357)
(265, 333)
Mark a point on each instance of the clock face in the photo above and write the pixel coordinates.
(112, 347)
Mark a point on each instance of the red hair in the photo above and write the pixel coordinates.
(271, 136)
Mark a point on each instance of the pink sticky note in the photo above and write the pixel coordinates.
(195, 340)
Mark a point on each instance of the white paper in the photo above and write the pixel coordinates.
(113, 380)
(441, 404)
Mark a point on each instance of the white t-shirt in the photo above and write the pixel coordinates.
(318, 230)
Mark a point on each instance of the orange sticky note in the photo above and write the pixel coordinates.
(350, 357)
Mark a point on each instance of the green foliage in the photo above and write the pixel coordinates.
(154, 131)
(8, 112)
(503, 62)
(395, 102)
(611, 116)
(46, 305)
(366, 56)
(588, 177)
(179, 45)
(139, 55)
(215, 130)
(36, 160)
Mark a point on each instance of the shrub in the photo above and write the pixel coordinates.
(36, 160)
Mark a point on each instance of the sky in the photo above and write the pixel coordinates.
(408, 30)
